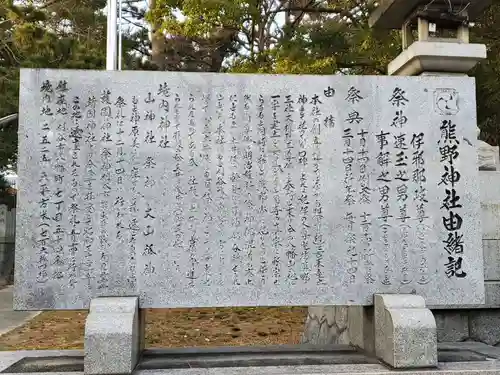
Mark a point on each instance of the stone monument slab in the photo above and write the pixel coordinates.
(190, 189)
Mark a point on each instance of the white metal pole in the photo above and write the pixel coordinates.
(111, 36)
(120, 35)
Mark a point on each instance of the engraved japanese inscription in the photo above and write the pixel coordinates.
(216, 189)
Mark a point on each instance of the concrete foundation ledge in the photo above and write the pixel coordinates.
(485, 362)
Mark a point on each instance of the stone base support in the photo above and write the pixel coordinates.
(405, 331)
(437, 57)
(360, 328)
(114, 333)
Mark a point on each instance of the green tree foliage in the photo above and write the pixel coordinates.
(487, 74)
(301, 37)
(67, 34)
(274, 36)
(247, 36)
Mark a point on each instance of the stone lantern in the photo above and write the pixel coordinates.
(435, 35)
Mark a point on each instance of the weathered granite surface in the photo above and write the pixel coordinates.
(453, 325)
(347, 325)
(453, 322)
(405, 331)
(216, 189)
(113, 336)
(490, 204)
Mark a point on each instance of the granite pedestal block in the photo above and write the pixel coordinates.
(405, 331)
(113, 336)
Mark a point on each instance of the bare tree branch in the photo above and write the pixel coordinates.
(360, 64)
(48, 4)
(307, 9)
(134, 23)
(242, 43)
(299, 18)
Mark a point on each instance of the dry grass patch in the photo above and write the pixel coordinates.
(171, 328)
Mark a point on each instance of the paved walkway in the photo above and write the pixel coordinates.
(10, 319)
